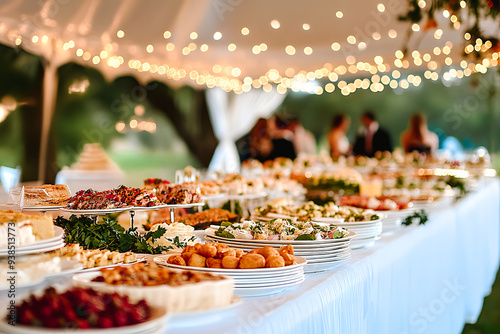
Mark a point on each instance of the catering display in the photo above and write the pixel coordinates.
(262, 271)
(324, 246)
(309, 211)
(176, 291)
(62, 310)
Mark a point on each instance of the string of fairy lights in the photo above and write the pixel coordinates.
(375, 76)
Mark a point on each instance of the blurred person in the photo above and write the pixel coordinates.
(418, 137)
(372, 137)
(260, 143)
(339, 144)
(281, 138)
(303, 140)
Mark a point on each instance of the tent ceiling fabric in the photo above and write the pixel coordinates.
(81, 30)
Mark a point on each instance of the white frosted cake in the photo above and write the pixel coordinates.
(93, 157)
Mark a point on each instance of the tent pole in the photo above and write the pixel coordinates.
(49, 102)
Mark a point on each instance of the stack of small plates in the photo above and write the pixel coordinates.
(321, 255)
(393, 218)
(40, 246)
(367, 232)
(254, 282)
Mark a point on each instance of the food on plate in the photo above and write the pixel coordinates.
(203, 219)
(136, 197)
(170, 193)
(215, 255)
(375, 203)
(235, 184)
(45, 195)
(177, 235)
(27, 228)
(175, 290)
(91, 258)
(278, 229)
(141, 274)
(64, 310)
(108, 234)
(310, 211)
(95, 200)
(29, 268)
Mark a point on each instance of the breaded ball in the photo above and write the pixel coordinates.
(208, 250)
(229, 252)
(230, 262)
(221, 248)
(187, 252)
(196, 260)
(268, 251)
(214, 263)
(286, 249)
(252, 261)
(289, 259)
(197, 246)
(176, 259)
(275, 262)
(239, 253)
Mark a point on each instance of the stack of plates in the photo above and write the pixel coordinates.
(40, 246)
(254, 282)
(393, 218)
(321, 255)
(367, 232)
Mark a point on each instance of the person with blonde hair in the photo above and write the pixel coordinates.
(418, 137)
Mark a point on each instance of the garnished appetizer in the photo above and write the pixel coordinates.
(278, 229)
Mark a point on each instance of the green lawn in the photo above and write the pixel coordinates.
(489, 319)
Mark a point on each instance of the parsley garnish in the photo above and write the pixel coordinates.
(420, 216)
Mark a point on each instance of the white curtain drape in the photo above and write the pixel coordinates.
(232, 115)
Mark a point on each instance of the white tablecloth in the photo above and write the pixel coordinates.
(421, 279)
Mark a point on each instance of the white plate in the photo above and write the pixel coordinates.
(321, 242)
(213, 197)
(140, 258)
(96, 212)
(291, 280)
(43, 248)
(32, 247)
(203, 317)
(58, 236)
(364, 242)
(148, 208)
(68, 267)
(183, 206)
(42, 208)
(264, 291)
(23, 285)
(332, 260)
(360, 223)
(155, 325)
(245, 276)
(267, 279)
(296, 248)
(319, 267)
(163, 261)
(327, 256)
(247, 196)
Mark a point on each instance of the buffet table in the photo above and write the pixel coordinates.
(420, 279)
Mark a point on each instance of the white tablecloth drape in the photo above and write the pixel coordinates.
(421, 279)
(232, 116)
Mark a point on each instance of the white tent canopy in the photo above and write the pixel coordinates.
(234, 44)
(211, 42)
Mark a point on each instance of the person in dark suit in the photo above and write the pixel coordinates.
(372, 138)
